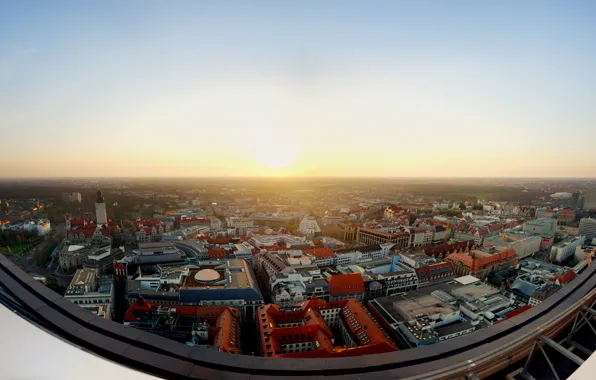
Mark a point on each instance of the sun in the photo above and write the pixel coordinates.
(276, 154)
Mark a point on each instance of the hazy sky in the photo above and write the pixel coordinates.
(368, 88)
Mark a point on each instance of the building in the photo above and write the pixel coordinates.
(344, 286)
(243, 251)
(420, 236)
(147, 231)
(273, 220)
(72, 255)
(216, 327)
(349, 256)
(542, 293)
(308, 226)
(288, 241)
(192, 222)
(542, 227)
(37, 227)
(396, 235)
(101, 214)
(590, 200)
(415, 206)
(103, 259)
(227, 282)
(545, 212)
(481, 262)
(86, 230)
(155, 253)
(73, 197)
(524, 244)
(537, 280)
(391, 283)
(440, 312)
(566, 216)
(382, 277)
(587, 228)
(442, 251)
(288, 277)
(434, 274)
(240, 224)
(414, 259)
(305, 330)
(321, 256)
(90, 291)
(565, 249)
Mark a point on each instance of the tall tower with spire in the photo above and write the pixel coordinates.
(101, 214)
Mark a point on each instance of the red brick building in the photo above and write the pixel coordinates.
(344, 286)
(304, 330)
(481, 262)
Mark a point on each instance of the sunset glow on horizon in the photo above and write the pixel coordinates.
(144, 88)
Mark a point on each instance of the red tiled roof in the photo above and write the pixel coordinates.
(430, 277)
(483, 231)
(449, 248)
(317, 243)
(274, 248)
(517, 311)
(319, 253)
(342, 284)
(224, 322)
(567, 277)
(216, 253)
(314, 329)
(219, 240)
(79, 222)
(495, 227)
(363, 326)
(194, 219)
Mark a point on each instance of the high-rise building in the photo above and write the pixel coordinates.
(101, 214)
(75, 197)
(587, 228)
(542, 226)
(564, 249)
(590, 200)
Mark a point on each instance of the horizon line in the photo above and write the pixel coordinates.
(289, 177)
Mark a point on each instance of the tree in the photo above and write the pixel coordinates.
(291, 227)
(53, 284)
(462, 206)
(20, 241)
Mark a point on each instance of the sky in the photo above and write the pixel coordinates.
(297, 88)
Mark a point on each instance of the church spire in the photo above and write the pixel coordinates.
(99, 198)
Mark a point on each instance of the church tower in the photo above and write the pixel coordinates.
(100, 210)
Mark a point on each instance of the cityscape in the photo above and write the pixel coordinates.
(318, 190)
(320, 268)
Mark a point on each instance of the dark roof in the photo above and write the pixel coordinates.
(197, 295)
(370, 248)
(453, 328)
(523, 287)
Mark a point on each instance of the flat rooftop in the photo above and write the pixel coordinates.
(410, 309)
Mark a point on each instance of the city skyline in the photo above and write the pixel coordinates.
(145, 89)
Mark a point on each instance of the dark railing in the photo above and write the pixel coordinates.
(159, 356)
